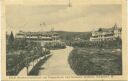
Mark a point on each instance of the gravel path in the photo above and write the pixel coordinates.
(57, 64)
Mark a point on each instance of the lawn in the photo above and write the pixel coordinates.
(96, 61)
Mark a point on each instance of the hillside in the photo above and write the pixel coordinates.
(68, 36)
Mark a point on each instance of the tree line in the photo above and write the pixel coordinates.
(19, 54)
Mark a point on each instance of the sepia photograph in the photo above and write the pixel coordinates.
(63, 40)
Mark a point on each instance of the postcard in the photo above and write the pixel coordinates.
(67, 40)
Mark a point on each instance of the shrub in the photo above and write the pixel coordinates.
(55, 45)
(97, 44)
(20, 57)
(95, 61)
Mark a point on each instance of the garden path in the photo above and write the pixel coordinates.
(58, 63)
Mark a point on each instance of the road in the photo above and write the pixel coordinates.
(57, 64)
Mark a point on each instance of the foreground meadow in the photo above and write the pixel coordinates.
(95, 61)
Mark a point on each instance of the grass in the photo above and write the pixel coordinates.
(36, 68)
(95, 61)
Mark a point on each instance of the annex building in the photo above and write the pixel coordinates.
(42, 37)
(103, 34)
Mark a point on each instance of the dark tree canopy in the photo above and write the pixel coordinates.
(11, 38)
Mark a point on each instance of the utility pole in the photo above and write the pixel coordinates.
(52, 30)
(70, 3)
(44, 24)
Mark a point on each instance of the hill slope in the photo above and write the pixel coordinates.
(64, 35)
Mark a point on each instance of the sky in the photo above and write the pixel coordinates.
(79, 18)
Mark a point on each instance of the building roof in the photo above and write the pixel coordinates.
(108, 29)
(38, 33)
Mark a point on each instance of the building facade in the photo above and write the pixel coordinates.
(103, 34)
(41, 37)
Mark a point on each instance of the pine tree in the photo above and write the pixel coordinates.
(11, 38)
